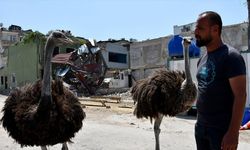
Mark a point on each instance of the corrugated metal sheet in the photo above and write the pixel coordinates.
(61, 58)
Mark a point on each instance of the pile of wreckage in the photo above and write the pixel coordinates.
(83, 69)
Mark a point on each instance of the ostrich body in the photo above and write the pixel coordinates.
(45, 112)
(165, 93)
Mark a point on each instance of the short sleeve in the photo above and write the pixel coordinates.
(235, 64)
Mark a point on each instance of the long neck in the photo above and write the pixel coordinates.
(46, 82)
(46, 98)
(187, 65)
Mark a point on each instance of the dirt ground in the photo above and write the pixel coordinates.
(116, 128)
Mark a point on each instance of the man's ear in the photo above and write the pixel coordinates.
(215, 28)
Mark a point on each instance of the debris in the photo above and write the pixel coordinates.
(84, 69)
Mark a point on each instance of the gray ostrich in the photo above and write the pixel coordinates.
(45, 112)
(165, 93)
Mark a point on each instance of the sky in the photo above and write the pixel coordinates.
(115, 19)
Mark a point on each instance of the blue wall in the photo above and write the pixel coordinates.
(175, 48)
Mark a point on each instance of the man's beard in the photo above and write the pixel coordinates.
(203, 42)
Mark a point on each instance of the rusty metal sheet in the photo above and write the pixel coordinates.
(62, 58)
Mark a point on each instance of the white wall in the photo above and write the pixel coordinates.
(116, 48)
(121, 80)
(179, 65)
(246, 57)
(2, 62)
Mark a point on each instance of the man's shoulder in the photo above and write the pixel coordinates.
(231, 50)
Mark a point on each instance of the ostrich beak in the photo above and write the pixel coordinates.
(186, 41)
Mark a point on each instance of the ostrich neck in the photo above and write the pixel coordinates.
(187, 65)
(46, 82)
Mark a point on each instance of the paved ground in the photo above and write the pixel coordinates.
(117, 129)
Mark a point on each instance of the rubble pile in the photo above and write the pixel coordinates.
(125, 95)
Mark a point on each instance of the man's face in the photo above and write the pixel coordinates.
(203, 32)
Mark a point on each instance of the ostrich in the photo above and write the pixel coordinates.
(45, 112)
(164, 93)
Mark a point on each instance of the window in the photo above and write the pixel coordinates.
(2, 80)
(117, 57)
(6, 82)
(13, 78)
(122, 77)
(13, 38)
(185, 29)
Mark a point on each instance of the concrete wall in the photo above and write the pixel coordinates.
(120, 80)
(2, 59)
(115, 48)
(8, 37)
(184, 28)
(22, 65)
(246, 57)
(236, 35)
(146, 56)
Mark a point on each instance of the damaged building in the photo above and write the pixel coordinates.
(24, 60)
(116, 56)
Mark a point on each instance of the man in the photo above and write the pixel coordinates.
(221, 76)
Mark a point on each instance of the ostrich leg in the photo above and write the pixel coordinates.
(64, 146)
(43, 147)
(157, 131)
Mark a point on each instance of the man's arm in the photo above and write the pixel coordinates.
(238, 86)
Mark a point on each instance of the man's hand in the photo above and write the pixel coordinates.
(230, 141)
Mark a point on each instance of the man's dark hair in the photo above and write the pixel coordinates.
(213, 18)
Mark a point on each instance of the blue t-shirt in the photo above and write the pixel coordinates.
(215, 96)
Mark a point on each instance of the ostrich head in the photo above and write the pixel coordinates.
(186, 42)
(56, 38)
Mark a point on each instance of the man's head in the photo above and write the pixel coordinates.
(208, 28)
